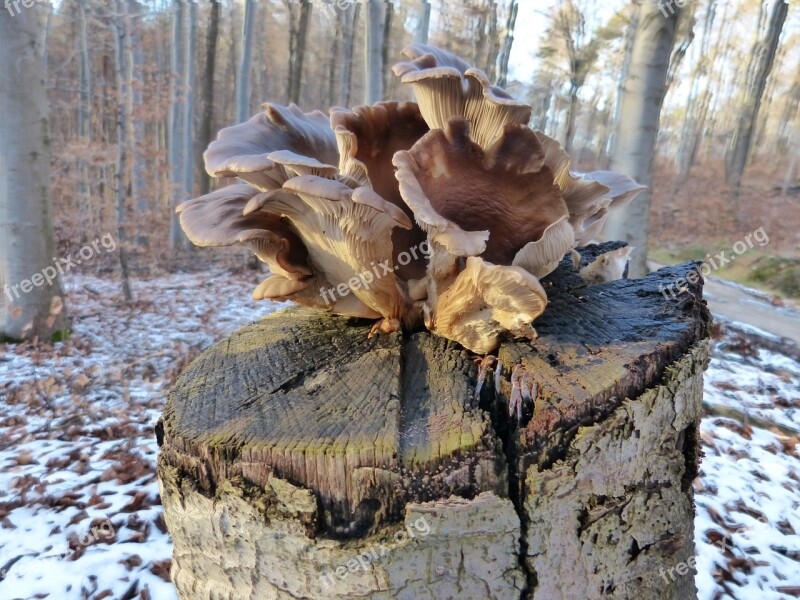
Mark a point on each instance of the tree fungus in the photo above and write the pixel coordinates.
(445, 213)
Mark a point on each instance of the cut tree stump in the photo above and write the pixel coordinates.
(300, 459)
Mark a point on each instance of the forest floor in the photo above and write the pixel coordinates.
(700, 219)
(80, 514)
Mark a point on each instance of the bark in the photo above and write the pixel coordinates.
(508, 41)
(26, 222)
(315, 444)
(389, 80)
(207, 124)
(422, 29)
(763, 58)
(245, 63)
(635, 145)
(373, 52)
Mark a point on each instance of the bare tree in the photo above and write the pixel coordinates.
(763, 57)
(121, 28)
(31, 297)
(641, 103)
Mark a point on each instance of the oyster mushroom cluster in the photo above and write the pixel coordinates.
(446, 212)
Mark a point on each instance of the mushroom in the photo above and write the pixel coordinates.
(332, 205)
(347, 233)
(609, 266)
(368, 137)
(484, 302)
(246, 150)
(445, 86)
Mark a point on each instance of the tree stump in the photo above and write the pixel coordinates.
(300, 459)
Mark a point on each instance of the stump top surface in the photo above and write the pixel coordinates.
(371, 424)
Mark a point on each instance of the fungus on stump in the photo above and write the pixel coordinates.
(301, 459)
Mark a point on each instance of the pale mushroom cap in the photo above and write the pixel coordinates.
(445, 87)
(485, 301)
(244, 150)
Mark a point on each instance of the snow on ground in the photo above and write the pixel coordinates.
(80, 515)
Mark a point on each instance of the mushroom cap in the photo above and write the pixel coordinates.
(218, 219)
(474, 202)
(589, 196)
(485, 301)
(246, 150)
(368, 137)
(445, 86)
(347, 233)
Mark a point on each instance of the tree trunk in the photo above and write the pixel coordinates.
(121, 28)
(336, 56)
(508, 41)
(245, 63)
(31, 297)
(301, 459)
(346, 87)
(189, 76)
(636, 141)
(422, 29)
(572, 115)
(175, 121)
(297, 48)
(373, 52)
(85, 122)
(764, 57)
(207, 124)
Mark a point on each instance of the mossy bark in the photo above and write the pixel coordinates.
(302, 460)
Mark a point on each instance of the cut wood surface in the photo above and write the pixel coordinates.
(301, 427)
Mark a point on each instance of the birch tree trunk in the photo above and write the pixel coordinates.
(245, 63)
(31, 297)
(763, 57)
(373, 55)
(640, 108)
(423, 24)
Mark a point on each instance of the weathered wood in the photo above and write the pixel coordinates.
(299, 444)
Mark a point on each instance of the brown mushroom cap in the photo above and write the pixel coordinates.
(244, 150)
(368, 138)
(474, 202)
(445, 86)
